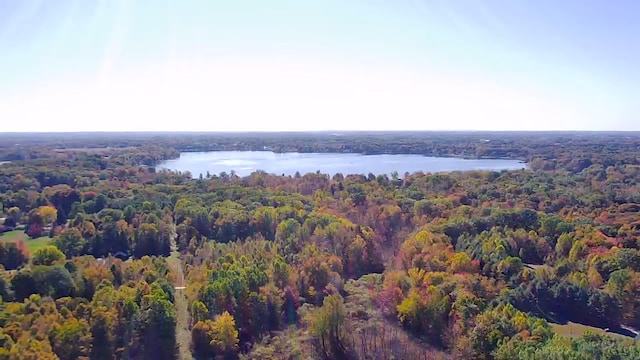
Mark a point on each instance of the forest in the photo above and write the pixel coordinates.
(106, 257)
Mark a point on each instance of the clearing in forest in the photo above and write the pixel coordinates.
(19, 235)
(183, 335)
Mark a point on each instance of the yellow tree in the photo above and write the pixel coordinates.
(48, 255)
(48, 214)
(224, 335)
(217, 337)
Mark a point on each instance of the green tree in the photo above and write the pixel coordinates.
(23, 284)
(103, 333)
(327, 326)
(48, 255)
(71, 242)
(199, 312)
(54, 281)
(71, 339)
(146, 240)
(158, 326)
(128, 213)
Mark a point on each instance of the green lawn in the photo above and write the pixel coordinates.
(17, 235)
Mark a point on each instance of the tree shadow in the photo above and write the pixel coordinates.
(621, 331)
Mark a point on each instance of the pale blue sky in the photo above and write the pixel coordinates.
(319, 65)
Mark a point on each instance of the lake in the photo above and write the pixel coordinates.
(246, 162)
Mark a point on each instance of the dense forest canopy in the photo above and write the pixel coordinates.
(105, 257)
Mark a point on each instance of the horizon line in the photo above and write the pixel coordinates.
(302, 131)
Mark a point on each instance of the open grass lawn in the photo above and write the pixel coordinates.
(576, 330)
(32, 244)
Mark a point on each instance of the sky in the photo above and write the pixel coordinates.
(297, 65)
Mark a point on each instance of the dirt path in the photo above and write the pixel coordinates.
(183, 335)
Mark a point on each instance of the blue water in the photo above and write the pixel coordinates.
(246, 162)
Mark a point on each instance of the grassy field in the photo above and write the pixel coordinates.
(572, 329)
(32, 244)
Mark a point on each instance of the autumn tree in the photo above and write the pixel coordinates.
(48, 255)
(216, 338)
(71, 339)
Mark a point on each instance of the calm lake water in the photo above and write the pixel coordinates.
(246, 162)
